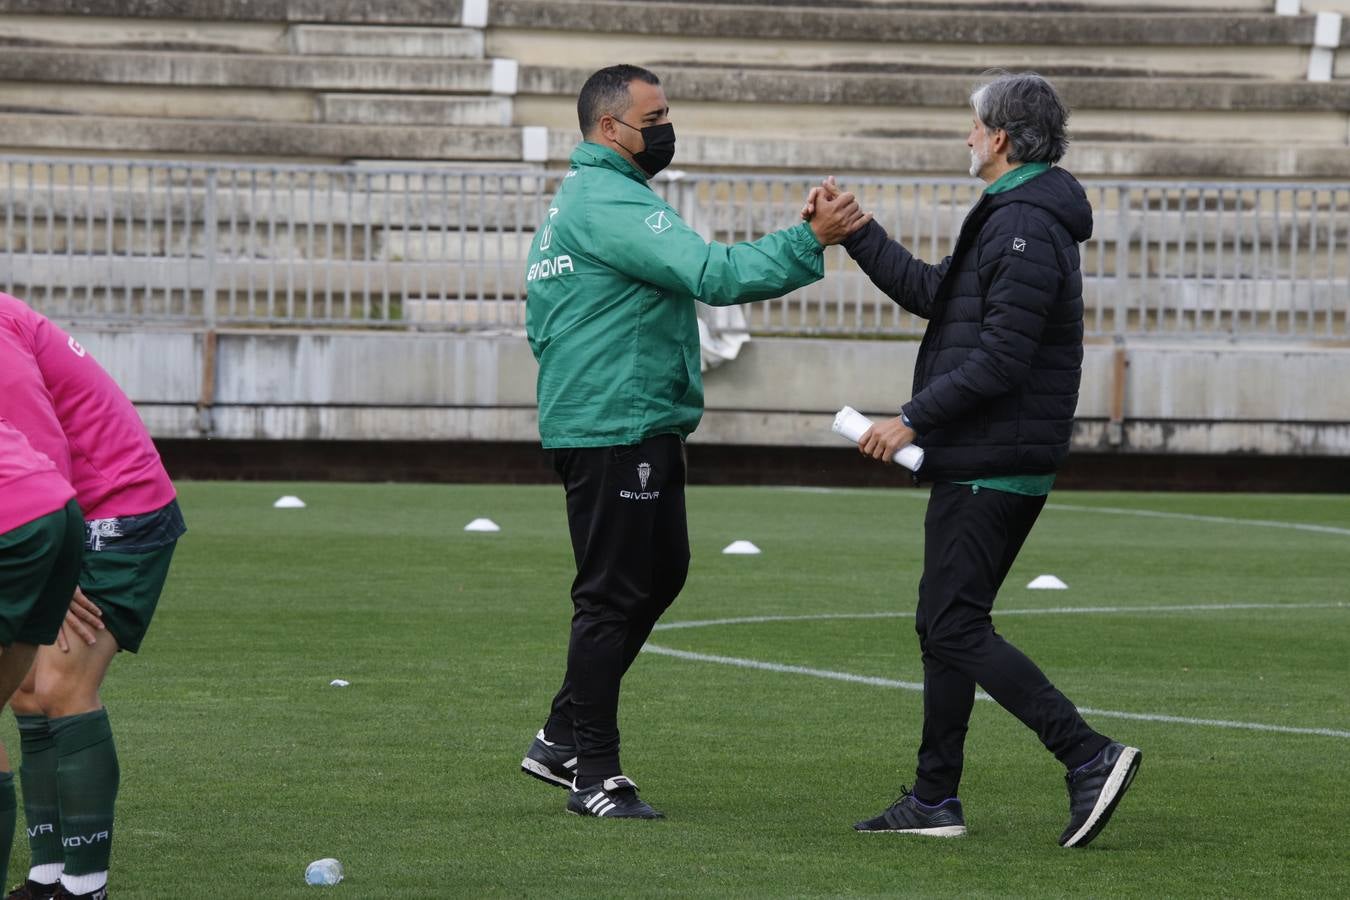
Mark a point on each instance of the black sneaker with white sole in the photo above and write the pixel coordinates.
(33, 890)
(616, 798)
(910, 815)
(550, 762)
(1094, 790)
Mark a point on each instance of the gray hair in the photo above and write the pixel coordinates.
(1028, 108)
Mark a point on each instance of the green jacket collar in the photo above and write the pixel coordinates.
(589, 154)
(1017, 177)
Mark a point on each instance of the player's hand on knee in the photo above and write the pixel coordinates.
(83, 621)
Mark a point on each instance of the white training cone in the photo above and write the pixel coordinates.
(741, 548)
(289, 502)
(339, 682)
(1047, 583)
(482, 525)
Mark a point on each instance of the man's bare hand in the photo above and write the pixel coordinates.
(883, 439)
(827, 189)
(833, 215)
(83, 620)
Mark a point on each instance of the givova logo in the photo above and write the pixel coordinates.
(644, 472)
(547, 268)
(639, 495)
(84, 840)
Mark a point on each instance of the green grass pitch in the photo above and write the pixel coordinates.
(240, 763)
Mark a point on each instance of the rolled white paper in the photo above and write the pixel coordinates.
(852, 425)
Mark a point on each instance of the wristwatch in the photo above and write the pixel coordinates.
(905, 420)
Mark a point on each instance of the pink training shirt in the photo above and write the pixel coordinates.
(72, 411)
(30, 486)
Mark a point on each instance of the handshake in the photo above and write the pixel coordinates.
(833, 215)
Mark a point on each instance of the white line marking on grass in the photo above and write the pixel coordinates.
(1214, 723)
(1194, 517)
(1110, 510)
(785, 669)
(980, 695)
(1053, 610)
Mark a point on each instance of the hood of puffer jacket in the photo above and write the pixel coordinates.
(1058, 193)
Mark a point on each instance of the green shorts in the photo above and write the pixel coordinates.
(126, 587)
(39, 567)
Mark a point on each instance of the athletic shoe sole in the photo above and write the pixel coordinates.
(541, 771)
(945, 831)
(1117, 783)
(588, 815)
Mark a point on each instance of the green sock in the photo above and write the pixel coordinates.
(37, 777)
(9, 817)
(86, 778)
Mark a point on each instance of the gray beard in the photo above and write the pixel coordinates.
(976, 163)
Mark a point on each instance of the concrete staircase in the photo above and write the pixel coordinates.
(1204, 89)
(327, 83)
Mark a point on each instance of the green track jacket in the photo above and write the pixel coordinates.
(612, 277)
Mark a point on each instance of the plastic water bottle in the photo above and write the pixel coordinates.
(323, 871)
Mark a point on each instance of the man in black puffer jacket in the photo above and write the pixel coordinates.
(995, 387)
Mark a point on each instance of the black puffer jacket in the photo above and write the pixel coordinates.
(996, 381)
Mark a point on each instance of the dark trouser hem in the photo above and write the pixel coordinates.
(971, 540)
(559, 730)
(626, 516)
(1085, 752)
(591, 772)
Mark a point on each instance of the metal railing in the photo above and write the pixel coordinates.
(444, 249)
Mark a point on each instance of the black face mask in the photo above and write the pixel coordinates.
(659, 147)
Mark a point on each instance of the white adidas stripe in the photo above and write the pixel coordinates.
(599, 804)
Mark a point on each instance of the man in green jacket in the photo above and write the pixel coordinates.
(611, 282)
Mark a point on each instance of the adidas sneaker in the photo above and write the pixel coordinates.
(550, 762)
(910, 815)
(616, 798)
(1094, 791)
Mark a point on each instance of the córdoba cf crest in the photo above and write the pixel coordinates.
(644, 472)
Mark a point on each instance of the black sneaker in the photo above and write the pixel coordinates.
(910, 815)
(550, 762)
(33, 890)
(1094, 791)
(616, 798)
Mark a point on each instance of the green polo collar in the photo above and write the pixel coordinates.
(1017, 177)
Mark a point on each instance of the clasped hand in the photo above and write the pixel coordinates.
(833, 215)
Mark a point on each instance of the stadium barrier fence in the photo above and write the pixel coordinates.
(444, 248)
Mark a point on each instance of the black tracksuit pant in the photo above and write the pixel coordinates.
(626, 514)
(971, 537)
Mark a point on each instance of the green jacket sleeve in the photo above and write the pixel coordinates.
(645, 239)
